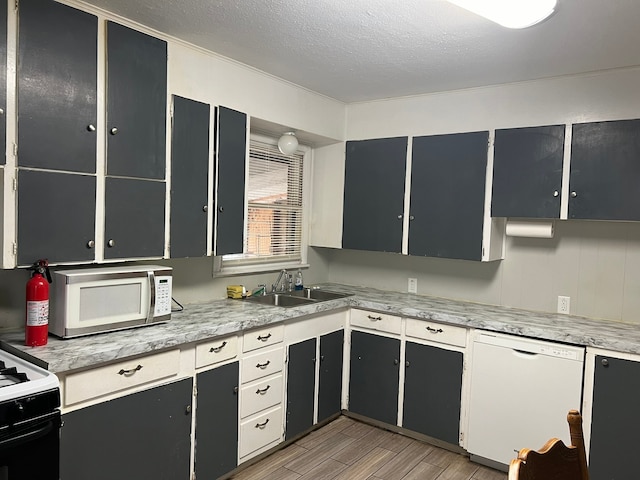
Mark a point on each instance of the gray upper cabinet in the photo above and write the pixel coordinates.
(3, 82)
(231, 152)
(189, 178)
(527, 172)
(447, 195)
(136, 103)
(57, 84)
(605, 171)
(56, 217)
(374, 194)
(134, 218)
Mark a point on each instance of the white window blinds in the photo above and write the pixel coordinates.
(274, 207)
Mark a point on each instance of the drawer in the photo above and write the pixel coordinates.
(214, 351)
(262, 337)
(120, 376)
(261, 364)
(259, 396)
(436, 332)
(376, 321)
(260, 431)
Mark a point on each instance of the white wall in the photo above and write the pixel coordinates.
(597, 264)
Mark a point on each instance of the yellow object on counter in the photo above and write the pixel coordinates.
(236, 291)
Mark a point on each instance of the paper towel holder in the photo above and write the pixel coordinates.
(530, 228)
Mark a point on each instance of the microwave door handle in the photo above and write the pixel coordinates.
(152, 296)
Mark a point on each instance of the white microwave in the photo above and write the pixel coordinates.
(94, 300)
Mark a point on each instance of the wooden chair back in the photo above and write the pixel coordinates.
(554, 461)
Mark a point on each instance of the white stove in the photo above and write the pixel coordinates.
(20, 378)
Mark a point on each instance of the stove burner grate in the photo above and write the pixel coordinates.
(11, 376)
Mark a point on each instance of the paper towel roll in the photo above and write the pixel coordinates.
(530, 229)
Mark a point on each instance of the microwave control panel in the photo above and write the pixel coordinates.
(163, 296)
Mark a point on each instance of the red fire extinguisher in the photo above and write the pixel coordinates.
(37, 325)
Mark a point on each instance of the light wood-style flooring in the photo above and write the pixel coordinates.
(347, 449)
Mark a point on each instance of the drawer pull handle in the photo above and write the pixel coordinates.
(263, 365)
(263, 390)
(217, 349)
(433, 330)
(374, 319)
(131, 371)
(263, 424)
(265, 338)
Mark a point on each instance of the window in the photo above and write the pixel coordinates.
(274, 223)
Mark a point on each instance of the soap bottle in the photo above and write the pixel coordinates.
(299, 285)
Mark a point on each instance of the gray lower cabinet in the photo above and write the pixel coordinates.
(134, 218)
(56, 217)
(374, 194)
(527, 172)
(57, 86)
(231, 149)
(614, 442)
(136, 103)
(330, 374)
(189, 178)
(374, 376)
(448, 176)
(301, 368)
(605, 171)
(432, 391)
(145, 435)
(216, 451)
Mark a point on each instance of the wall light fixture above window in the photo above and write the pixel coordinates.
(510, 13)
(288, 143)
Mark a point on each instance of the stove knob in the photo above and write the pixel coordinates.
(20, 407)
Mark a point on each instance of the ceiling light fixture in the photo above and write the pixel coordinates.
(288, 143)
(510, 13)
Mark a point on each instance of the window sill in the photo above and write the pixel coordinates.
(235, 270)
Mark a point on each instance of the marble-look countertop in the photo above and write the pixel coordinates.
(220, 317)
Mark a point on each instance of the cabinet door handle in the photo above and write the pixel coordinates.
(374, 319)
(263, 424)
(131, 371)
(263, 365)
(262, 391)
(265, 338)
(217, 349)
(433, 330)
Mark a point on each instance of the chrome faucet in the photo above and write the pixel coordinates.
(274, 286)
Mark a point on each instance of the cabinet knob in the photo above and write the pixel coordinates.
(395, 361)
(556, 193)
(205, 208)
(91, 244)
(574, 194)
(235, 389)
(605, 362)
(399, 217)
(1, 111)
(411, 217)
(407, 364)
(113, 131)
(187, 410)
(91, 127)
(221, 209)
(111, 243)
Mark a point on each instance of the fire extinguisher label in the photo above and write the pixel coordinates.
(37, 313)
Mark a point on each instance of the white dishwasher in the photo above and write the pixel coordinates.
(521, 391)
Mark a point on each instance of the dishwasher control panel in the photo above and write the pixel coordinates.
(531, 346)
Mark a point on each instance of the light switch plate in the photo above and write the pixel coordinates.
(413, 285)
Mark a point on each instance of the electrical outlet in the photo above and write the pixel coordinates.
(413, 285)
(564, 304)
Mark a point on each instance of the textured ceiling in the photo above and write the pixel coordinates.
(357, 50)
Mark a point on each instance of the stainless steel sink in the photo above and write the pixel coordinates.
(280, 300)
(297, 297)
(318, 295)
